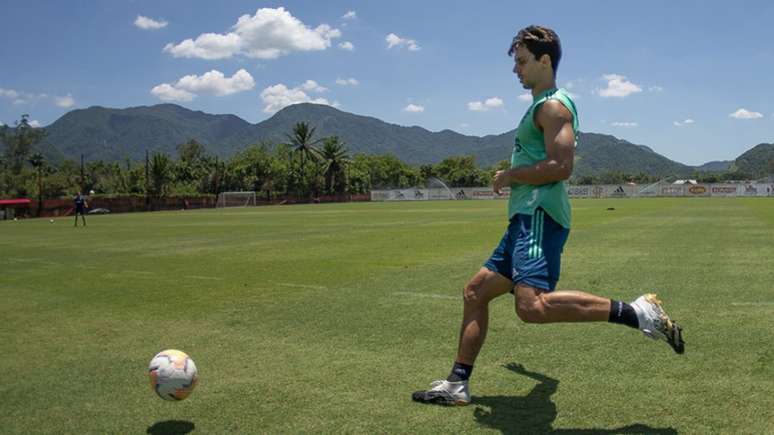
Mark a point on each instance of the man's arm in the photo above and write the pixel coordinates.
(559, 137)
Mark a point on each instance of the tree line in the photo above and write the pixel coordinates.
(303, 166)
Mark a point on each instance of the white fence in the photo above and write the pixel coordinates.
(584, 191)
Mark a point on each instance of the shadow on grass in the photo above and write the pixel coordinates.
(535, 412)
(171, 427)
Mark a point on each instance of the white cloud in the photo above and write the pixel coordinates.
(526, 97)
(35, 123)
(149, 23)
(464, 125)
(350, 15)
(279, 96)
(346, 45)
(490, 103)
(394, 40)
(167, 92)
(618, 86)
(19, 97)
(213, 83)
(624, 124)
(9, 93)
(745, 114)
(65, 102)
(656, 89)
(347, 82)
(684, 123)
(268, 34)
(311, 85)
(413, 108)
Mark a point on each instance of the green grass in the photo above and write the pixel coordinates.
(324, 318)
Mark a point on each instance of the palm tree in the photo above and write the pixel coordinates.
(335, 159)
(37, 161)
(303, 145)
(160, 174)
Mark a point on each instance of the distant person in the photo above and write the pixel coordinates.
(80, 208)
(527, 261)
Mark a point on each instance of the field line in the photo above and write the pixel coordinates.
(290, 284)
(426, 295)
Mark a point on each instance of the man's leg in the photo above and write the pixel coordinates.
(535, 305)
(479, 291)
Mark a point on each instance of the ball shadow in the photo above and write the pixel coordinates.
(171, 427)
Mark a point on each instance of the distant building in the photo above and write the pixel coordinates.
(685, 182)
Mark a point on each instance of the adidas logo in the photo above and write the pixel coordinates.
(619, 192)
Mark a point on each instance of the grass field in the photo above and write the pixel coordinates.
(324, 319)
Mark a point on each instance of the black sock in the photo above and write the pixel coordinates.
(460, 372)
(623, 313)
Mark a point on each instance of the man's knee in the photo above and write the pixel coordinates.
(530, 306)
(471, 293)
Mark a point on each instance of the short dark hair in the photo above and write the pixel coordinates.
(539, 40)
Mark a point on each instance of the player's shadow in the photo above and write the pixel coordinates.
(171, 427)
(535, 412)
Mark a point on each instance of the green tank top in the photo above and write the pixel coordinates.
(528, 149)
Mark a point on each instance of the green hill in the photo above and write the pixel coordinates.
(113, 134)
(757, 162)
(598, 153)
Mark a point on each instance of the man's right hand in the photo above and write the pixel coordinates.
(500, 180)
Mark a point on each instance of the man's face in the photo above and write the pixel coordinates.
(526, 67)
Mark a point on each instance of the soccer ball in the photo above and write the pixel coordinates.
(51, 220)
(91, 192)
(173, 374)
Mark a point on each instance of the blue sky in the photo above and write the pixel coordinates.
(693, 80)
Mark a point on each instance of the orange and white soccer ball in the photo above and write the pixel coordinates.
(173, 374)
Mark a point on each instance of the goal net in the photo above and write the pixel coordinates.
(235, 199)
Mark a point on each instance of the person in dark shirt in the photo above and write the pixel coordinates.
(80, 208)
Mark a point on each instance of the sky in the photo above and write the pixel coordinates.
(693, 80)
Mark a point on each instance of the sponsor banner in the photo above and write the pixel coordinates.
(579, 191)
(620, 190)
(751, 190)
(758, 189)
(585, 191)
(672, 190)
(724, 190)
(480, 193)
(697, 190)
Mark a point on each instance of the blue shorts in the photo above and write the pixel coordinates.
(530, 251)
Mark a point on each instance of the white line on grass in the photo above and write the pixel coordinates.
(30, 260)
(290, 284)
(425, 295)
(211, 278)
(751, 304)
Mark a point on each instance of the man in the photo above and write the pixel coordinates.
(527, 260)
(80, 208)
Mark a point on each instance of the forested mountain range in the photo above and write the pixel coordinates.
(118, 134)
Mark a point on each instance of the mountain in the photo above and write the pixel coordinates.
(715, 166)
(114, 134)
(756, 162)
(598, 153)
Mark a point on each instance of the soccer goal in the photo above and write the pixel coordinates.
(235, 199)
